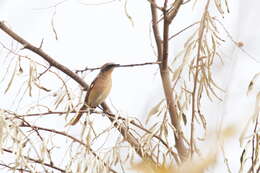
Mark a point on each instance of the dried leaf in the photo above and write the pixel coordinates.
(252, 83)
(30, 80)
(127, 14)
(154, 110)
(177, 73)
(203, 121)
(251, 119)
(2, 128)
(59, 100)
(184, 118)
(11, 80)
(42, 87)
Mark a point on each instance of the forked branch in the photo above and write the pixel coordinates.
(128, 136)
(162, 51)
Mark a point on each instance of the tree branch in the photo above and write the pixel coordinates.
(37, 161)
(114, 117)
(122, 129)
(175, 8)
(128, 65)
(163, 57)
(201, 32)
(72, 138)
(155, 27)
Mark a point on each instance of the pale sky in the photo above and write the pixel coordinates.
(93, 35)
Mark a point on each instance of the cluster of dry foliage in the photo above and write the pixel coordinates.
(166, 143)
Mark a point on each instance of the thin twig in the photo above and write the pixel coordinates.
(98, 3)
(128, 65)
(122, 129)
(52, 6)
(236, 42)
(201, 33)
(37, 161)
(15, 168)
(142, 64)
(147, 131)
(41, 44)
(52, 25)
(114, 117)
(43, 72)
(71, 137)
(41, 53)
(184, 29)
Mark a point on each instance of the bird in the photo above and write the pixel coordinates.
(98, 90)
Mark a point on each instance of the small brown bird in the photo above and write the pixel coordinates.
(98, 90)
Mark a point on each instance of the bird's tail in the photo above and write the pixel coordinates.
(75, 119)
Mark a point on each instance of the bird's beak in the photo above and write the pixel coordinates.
(116, 65)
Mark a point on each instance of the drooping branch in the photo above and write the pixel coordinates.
(129, 137)
(194, 92)
(72, 138)
(37, 161)
(133, 122)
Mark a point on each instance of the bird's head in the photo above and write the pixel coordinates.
(108, 67)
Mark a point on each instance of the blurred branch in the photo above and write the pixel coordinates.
(132, 140)
(238, 44)
(52, 6)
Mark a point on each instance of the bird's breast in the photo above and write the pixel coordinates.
(100, 90)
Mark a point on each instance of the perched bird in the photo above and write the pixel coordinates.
(98, 90)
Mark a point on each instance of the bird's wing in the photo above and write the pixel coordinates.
(89, 90)
(75, 119)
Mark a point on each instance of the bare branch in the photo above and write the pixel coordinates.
(112, 116)
(162, 51)
(43, 72)
(184, 29)
(174, 10)
(71, 137)
(15, 168)
(128, 65)
(42, 54)
(122, 129)
(155, 5)
(37, 161)
(155, 27)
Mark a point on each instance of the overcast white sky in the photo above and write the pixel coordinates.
(93, 35)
